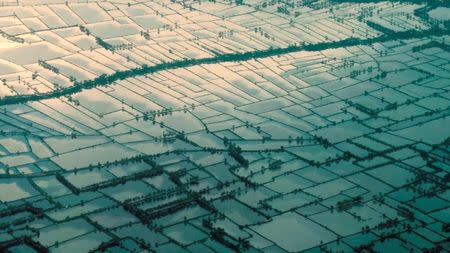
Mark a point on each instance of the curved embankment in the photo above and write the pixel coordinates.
(120, 75)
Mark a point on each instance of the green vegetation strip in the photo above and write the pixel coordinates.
(104, 80)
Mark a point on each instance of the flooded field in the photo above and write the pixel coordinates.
(224, 126)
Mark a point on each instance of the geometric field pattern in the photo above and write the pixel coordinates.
(224, 126)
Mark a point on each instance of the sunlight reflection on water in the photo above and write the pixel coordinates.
(4, 43)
